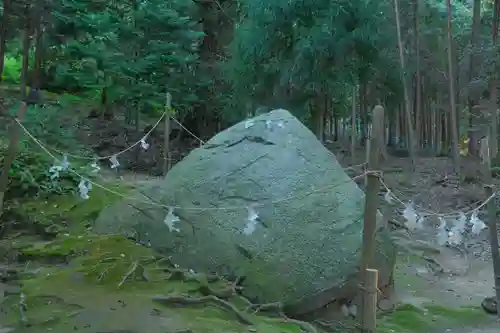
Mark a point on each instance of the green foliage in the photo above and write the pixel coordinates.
(298, 50)
(12, 69)
(54, 125)
(223, 59)
(130, 52)
(29, 174)
(13, 62)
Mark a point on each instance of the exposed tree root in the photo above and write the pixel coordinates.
(176, 274)
(335, 326)
(220, 297)
(206, 290)
(304, 325)
(275, 307)
(225, 293)
(185, 300)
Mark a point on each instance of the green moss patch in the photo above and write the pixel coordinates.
(69, 212)
(87, 247)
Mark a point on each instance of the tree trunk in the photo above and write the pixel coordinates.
(453, 106)
(391, 133)
(353, 124)
(418, 87)
(363, 113)
(26, 49)
(325, 119)
(493, 87)
(397, 128)
(37, 70)
(317, 109)
(334, 126)
(411, 140)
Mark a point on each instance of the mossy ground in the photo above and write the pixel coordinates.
(93, 292)
(89, 294)
(68, 213)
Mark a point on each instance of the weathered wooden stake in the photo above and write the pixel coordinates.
(485, 155)
(372, 189)
(10, 155)
(370, 212)
(166, 144)
(369, 315)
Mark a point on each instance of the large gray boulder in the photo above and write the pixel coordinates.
(306, 247)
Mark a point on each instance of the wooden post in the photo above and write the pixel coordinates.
(372, 189)
(10, 155)
(370, 214)
(166, 144)
(369, 315)
(492, 218)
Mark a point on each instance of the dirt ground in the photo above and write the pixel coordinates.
(468, 275)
